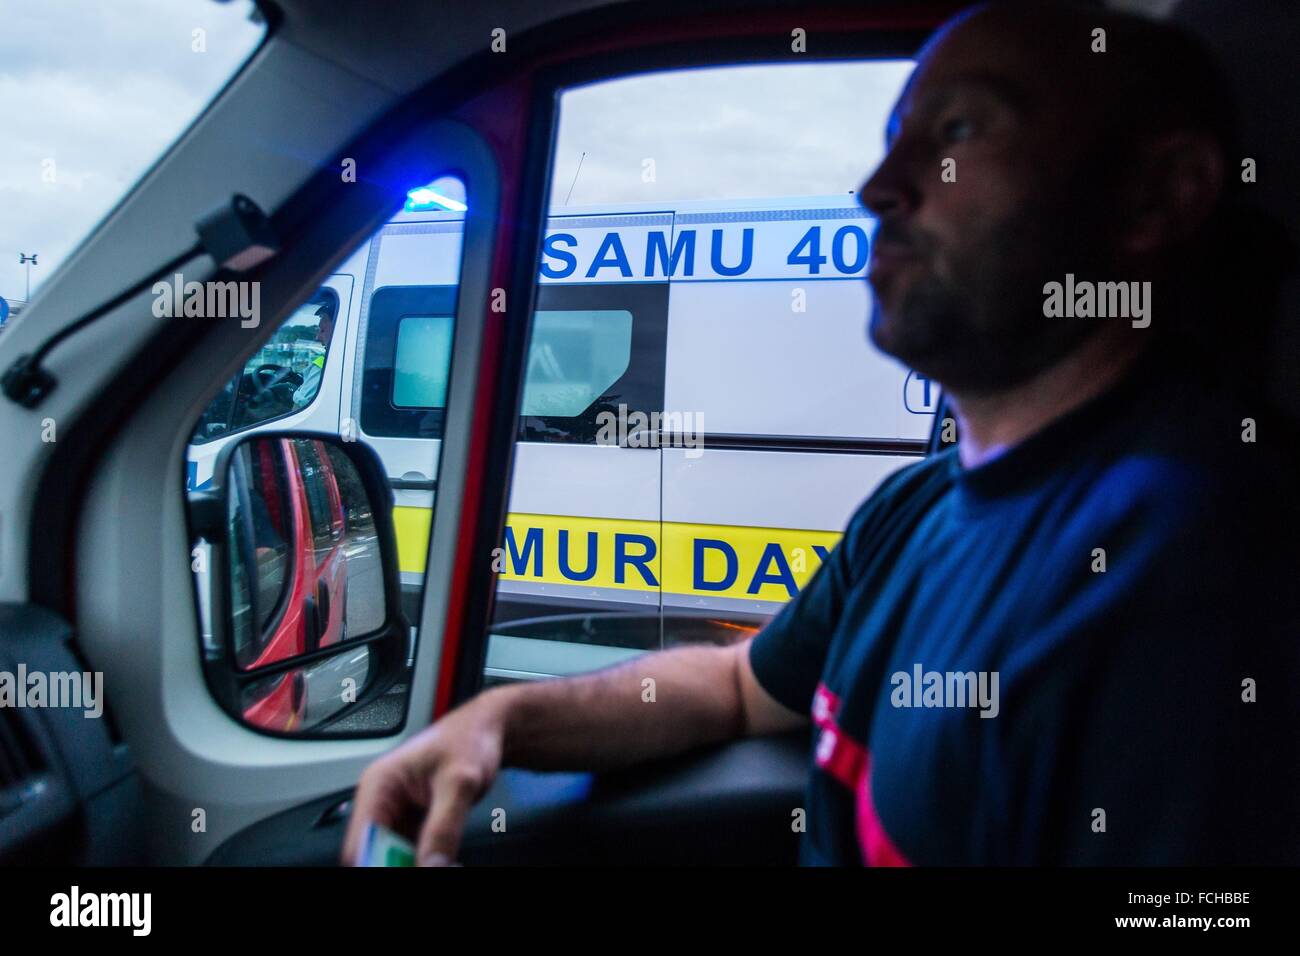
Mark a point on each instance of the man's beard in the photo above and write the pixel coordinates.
(982, 330)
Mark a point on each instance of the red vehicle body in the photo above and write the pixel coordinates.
(312, 612)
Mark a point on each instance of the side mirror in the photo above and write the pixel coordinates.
(302, 587)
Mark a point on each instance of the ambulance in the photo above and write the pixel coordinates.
(702, 412)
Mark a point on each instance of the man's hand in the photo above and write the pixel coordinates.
(598, 721)
(441, 772)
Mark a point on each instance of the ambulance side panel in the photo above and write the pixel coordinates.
(767, 343)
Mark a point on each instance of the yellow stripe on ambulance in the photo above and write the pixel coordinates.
(729, 561)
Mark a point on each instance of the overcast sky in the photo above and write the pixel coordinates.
(101, 89)
(726, 133)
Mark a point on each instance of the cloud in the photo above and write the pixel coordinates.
(94, 92)
(727, 133)
(91, 94)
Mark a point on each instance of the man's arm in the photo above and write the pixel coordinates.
(304, 393)
(654, 706)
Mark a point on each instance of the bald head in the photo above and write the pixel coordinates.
(1114, 74)
(1032, 141)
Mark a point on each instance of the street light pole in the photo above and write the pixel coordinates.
(28, 261)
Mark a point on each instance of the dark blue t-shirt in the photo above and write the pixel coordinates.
(1081, 652)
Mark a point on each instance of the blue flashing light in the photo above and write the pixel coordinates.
(424, 199)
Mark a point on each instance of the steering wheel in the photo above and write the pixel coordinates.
(266, 377)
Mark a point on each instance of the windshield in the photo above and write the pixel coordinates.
(91, 94)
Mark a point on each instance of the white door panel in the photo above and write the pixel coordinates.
(419, 254)
(810, 491)
(740, 355)
(597, 481)
(410, 459)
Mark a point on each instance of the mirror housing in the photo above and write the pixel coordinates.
(301, 586)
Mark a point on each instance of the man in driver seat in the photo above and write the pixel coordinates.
(311, 376)
(1070, 639)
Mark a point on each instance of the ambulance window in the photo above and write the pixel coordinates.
(596, 348)
(422, 361)
(282, 377)
(407, 355)
(574, 357)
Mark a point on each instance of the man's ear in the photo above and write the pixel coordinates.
(1175, 185)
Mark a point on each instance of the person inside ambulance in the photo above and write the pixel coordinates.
(1069, 639)
(311, 376)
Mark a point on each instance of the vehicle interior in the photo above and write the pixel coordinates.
(97, 531)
